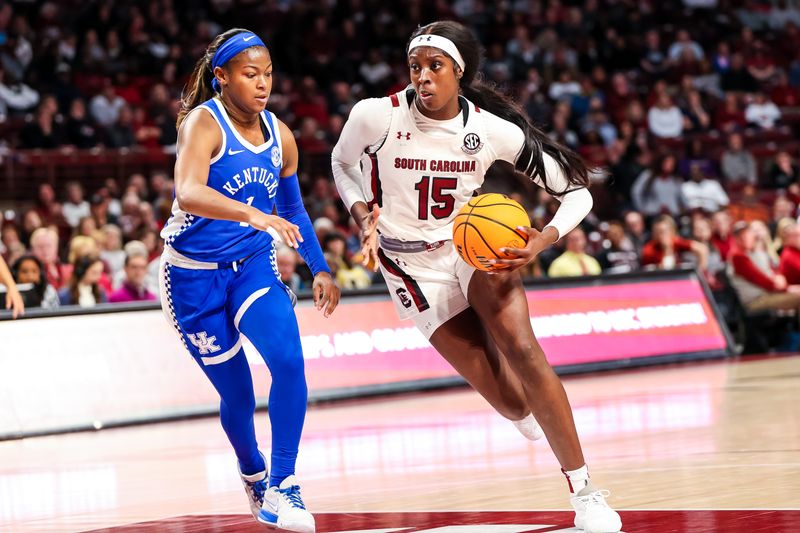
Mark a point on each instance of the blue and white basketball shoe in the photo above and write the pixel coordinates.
(284, 508)
(255, 485)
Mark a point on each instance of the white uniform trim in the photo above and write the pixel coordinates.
(221, 358)
(180, 260)
(247, 303)
(247, 144)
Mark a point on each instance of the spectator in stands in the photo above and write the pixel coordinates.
(120, 133)
(760, 63)
(684, 43)
(665, 249)
(44, 130)
(597, 121)
(28, 269)
(286, 258)
(111, 250)
(729, 116)
(721, 61)
(565, 87)
(105, 107)
(87, 227)
(15, 97)
(348, 274)
(764, 243)
(737, 78)
(636, 230)
(665, 119)
(561, 131)
(654, 60)
(697, 118)
(657, 190)
(790, 256)
(783, 172)
(78, 131)
(783, 94)
(762, 113)
(701, 232)
(76, 207)
(737, 164)
(84, 288)
(133, 286)
(375, 72)
(757, 284)
(574, 261)
(618, 254)
(703, 193)
(44, 245)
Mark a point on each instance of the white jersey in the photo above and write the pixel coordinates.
(421, 171)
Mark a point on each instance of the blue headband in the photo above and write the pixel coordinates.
(229, 49)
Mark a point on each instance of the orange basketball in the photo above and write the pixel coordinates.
(487, 223)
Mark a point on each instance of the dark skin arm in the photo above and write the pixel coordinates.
(326, 292)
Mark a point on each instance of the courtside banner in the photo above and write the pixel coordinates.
(122, 365)
(615, 321)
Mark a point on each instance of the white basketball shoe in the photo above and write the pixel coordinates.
(284, 508)
(255, 485)
(529, 428)
(592, 513)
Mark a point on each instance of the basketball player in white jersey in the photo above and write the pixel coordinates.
(404, 165)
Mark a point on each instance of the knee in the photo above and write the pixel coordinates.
(288, 365)
(526, 351)
(240, 401)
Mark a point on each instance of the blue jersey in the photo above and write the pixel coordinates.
(246, 173)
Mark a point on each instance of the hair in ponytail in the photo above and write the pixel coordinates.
(198, 88)
(537, 143)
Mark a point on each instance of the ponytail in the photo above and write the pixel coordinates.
(530, 161)
(198, 89)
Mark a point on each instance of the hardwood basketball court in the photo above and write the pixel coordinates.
(696, 447)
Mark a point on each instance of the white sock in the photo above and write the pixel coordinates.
(529, 427)
(577, 479)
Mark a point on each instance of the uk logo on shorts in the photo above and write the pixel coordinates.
(404, 298)
(472, 144)
(203, 342)
(276, 156)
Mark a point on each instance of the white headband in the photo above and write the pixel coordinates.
(442, 43)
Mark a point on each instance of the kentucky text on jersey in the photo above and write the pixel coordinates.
(435, 165)
(252, 175)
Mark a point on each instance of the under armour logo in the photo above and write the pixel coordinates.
(407, 135)
(203, 342)
(428, 38)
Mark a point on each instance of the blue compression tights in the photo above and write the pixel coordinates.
(279, 346)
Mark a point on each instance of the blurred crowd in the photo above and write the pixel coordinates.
(689, 110)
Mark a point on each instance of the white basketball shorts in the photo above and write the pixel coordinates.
(427, 287)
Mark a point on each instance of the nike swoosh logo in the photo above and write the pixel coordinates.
(245, 39)
(234, 152)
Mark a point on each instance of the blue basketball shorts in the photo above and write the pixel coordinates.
(205, 301)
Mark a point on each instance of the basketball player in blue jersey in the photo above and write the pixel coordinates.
(219, 277)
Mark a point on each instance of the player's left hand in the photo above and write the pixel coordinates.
(14, 302)
(326, 293)
(537, 241)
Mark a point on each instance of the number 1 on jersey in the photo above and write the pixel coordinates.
(435, 189)
(249, 202)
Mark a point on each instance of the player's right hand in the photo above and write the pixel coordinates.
(289, 232)
(369, 239)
